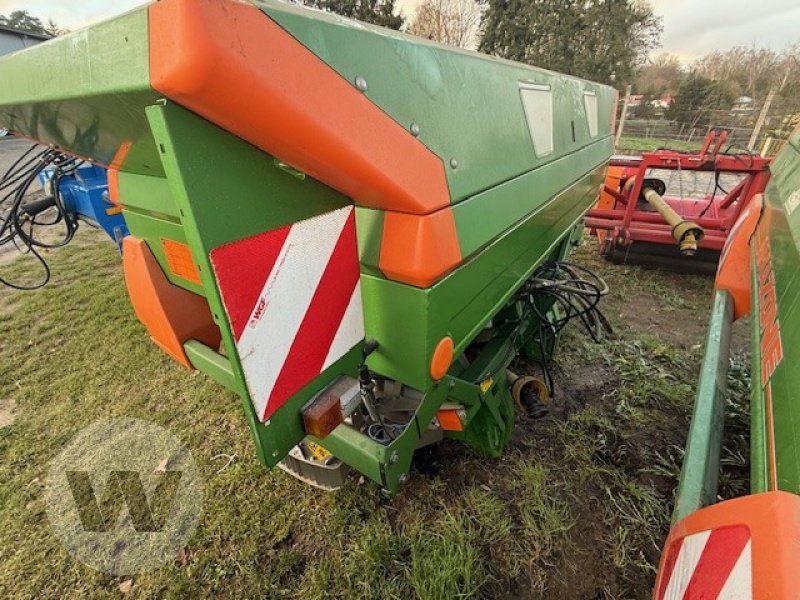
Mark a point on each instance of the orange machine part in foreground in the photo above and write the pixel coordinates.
(217, 57)
(734, 270)
(748, 544)
(171, 314)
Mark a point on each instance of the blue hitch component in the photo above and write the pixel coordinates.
(84, 192)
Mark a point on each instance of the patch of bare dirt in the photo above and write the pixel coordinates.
(643, 313)
(8, 412)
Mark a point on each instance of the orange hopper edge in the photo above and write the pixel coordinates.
(214, 57)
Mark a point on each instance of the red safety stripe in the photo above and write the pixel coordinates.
(723, 549)
(669, 566)
(241, 281)
(315, 336)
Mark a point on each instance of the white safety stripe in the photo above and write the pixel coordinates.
(288, 290)
(739, 585)
(688, 557)
(351, 329)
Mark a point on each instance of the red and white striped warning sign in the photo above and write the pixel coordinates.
(709, 565)
(293, 299)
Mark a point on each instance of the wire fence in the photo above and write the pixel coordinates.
(739, 122)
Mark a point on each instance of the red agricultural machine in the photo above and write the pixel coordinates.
(674, 209)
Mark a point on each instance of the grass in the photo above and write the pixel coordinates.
(637, 145)
(577, 507)
(445, 561)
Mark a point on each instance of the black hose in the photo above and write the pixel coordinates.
(15, 214)
(576, 292)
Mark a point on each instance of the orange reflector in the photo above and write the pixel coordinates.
(450, 419)
(323, 415)
(442, 358)
(180, 261)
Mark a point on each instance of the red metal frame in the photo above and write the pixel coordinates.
(716, 215)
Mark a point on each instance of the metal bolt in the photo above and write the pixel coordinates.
(394, 457)
(275, 453)
(414, 129)
(453, 163)
(361, 83)
(403, 478)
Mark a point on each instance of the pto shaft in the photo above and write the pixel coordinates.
(686, 233)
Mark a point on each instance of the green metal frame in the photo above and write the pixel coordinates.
(775, 379)
(776, 272)
(759, 478)
(246, 193)
(186, 144)
(187, 180)
(700, 471)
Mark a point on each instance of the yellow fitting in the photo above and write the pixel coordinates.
(517, 382)
(689, 245)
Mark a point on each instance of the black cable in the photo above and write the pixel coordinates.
(575, 292)
(717, 186)
(15, 213)
(738, 155)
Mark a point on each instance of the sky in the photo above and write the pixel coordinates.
(692, 28)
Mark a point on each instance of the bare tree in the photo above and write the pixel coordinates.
(770, 79)
(661, 74)
(752, 71)
(453, 22)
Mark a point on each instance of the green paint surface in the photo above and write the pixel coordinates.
(187, 180)
(701, 461)
(245, 193)
(410, 321)
(781, 224)
(467, 105)
(85, 92)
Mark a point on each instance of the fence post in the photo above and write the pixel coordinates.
(623, 116)
(761, 118)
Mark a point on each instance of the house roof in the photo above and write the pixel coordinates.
(30, 34)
